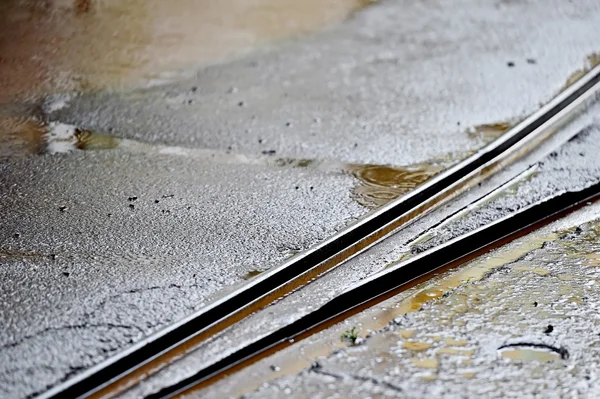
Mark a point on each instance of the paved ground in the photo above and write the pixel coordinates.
(519, 322)
(551, 169)
(147, 203)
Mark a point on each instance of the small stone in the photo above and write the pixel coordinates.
(17, 235)
(132, 206)
(131, 198)
(241, 104)
(549, 329)
(156, 201)
(66, 274)
(268, 152)
(62, 208)
(194, 89)
(274, 368)
(531, 61)
(510, 64)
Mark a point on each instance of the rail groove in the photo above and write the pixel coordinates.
(387, 283)
(153, 353)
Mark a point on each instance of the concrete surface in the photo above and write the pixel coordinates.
(87, 269)
(400, 83)
(555, 167)
(519, 322)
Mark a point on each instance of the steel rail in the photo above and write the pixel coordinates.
(151, 354)
(379, 286)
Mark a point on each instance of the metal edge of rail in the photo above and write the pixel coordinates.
(390, 280)
(340, 247)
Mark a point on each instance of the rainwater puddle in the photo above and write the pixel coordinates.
(23, 135)
(380, 184)
(529, 354)
(51, 46)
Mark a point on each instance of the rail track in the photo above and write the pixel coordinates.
(150, 355)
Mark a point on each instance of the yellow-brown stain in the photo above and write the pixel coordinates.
(379, 184)
(455, 351)
(62, 45)
(592, 61)
(20, 135)
(251, 274)
(406, 333)
(455, 342)
(540, 271)
(416, 346)
(426, 363)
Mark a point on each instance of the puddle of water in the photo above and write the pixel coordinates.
(379, 184)
(62, 138)
(251, 274)
(529, 354)
(49, 46)
(22, 135)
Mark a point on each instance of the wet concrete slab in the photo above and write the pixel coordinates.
(101, 248)
(554, 167)
(59, 46)
(400, 83)
(518, 322)
(132, 196)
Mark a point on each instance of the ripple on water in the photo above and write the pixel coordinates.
(379, 184)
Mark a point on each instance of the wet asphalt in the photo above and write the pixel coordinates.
(100, 248)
